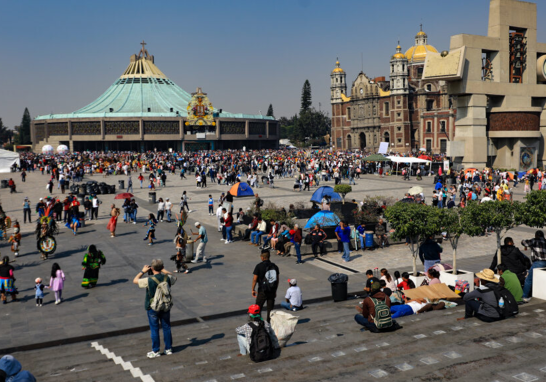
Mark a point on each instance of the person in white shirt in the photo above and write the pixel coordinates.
(219, 215)
(168, 209)
(95, 211)
(294, 300)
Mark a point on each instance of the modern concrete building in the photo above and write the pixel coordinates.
(144, 110)
(500, 84)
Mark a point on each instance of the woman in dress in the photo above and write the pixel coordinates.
(92, 262)
(150, 235)
(56, 282)
(113, 222)
(7, 280)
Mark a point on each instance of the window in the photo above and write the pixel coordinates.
(442, 127)
(428, 145)
(337, 79)
(420, 72)
(386, 137)
(399, 128)
(398, 115)
(429, 127)
(430, 104)
(399, 140)
(429, 87)
(398, 102)
(348, 114)
(349, 144)
(338, 143)
(387, 109)
(443, 145)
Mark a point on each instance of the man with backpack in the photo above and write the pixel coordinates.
(266, 275)
(256, 337)
(158, 303)
(490, 302)
(374, 312)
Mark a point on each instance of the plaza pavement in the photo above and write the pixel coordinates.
(219, 286)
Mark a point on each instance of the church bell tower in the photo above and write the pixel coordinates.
(338, 84)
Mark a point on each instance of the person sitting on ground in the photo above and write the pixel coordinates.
(511, 282)
(513, 259)
(406, 282)
(389, 280)
(371, 279)
(419, 305)
(482, 302)
(294, 299)
(397, 278)
(381, 234)
(372, 312)
(244, 332)
(434, 276)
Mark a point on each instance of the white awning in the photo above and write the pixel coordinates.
(408, 160)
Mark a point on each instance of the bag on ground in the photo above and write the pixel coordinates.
(261, 347)
(510, 308)
(284, 325)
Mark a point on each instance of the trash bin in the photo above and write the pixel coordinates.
(4, 183)
(121, 184)
(151, 197)
(339, 286)
(369, 239)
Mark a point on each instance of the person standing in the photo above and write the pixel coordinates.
(92, 262)
(113, 222)
(130, 184)
(150, 234)
(258, 203)
(211, 205)
(228, 223)
(95, 211)
(159, 276)
(88, 205)
(538, 257)
(343, 233)
(140, 179)
(26, 210)
(202, 234)
(160, 209)
(56, 282)
(266, 275)
(219, 216)
(296, 239)
(184, 202)
(168, 209)
(429, 253)
(7, 280)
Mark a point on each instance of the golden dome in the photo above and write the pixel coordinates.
(398, 55)
(338, 69)
(418, 53)
(421, 33)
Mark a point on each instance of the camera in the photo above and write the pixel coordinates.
(150, 273)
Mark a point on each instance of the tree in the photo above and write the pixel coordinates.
(413, 221)
(343, 189)
(5, 133)
(23, 136)
(533, 210)
(311, 124)
(452, 224)
(305, 97)
(270, 111)
(499, 216)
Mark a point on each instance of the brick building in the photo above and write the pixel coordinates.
(405, 111)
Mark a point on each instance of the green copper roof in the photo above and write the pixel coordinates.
(142, 91)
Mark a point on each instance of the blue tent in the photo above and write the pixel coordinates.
(324, 219)
(241, 189)
(328, 191)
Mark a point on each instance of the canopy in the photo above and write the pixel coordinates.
(415, 190)
(7, 159)
(241, 189)
(324, 219)
(425, 157)
(407, 160)
(323, 191)
(375, 158)
(124, 195)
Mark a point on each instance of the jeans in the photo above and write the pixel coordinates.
(243, 344)
(255, 237)
(165, 318)
(440, 203)
(127, 217)
(360, 319)
(298, 251)
(229, 237)
(430, 263)
(352, 181)
(346, 252)
(471, 310)
(130, 187)
(169, 216)
(160, 215)
(26, 212)
(401, 310)
(527, 288)
(286, 305)
(211, 209)
(133, 215)
(266, 240)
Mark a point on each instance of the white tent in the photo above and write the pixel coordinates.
(7, 159)
(409, 160)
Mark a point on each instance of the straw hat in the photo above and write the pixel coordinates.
(487, 275)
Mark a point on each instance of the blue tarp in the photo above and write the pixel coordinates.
(324, 219)
(325, 190)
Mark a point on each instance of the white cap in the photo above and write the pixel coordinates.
(197, 224)
(166, 198)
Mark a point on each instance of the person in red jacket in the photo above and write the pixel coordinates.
(296, 239)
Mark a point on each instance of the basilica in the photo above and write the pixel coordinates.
(406, 111)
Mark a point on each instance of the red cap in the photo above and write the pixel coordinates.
(254, 309)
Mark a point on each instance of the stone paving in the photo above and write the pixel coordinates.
(221, 285)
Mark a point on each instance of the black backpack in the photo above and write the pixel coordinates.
(271, 279)
(511, 308)
(308, 240)
(261, 347)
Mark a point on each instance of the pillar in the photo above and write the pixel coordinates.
(471, 129)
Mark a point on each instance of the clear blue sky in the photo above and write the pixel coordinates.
(58, 56)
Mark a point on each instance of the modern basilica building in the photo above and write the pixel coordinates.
(144, 110)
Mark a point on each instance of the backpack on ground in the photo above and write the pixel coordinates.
(510, 308)
(382, 318)
(162, 300)
(269, 283)
(261, 347)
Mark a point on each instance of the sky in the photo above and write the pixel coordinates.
(58, 56)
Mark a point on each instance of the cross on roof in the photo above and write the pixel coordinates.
(143, 43)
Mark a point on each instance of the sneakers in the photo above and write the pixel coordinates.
(526, 299)
(168, 352)
(227, 242)
(222, 239)
(187, 271)
(154, 354)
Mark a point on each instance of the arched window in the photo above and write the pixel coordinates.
(349, 144)
(386, 137)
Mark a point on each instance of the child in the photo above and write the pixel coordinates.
(15, 239)
(211, 205)
(180, 241)
(407, 283)
(39, 287)
(56, 283)
(150, 235)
